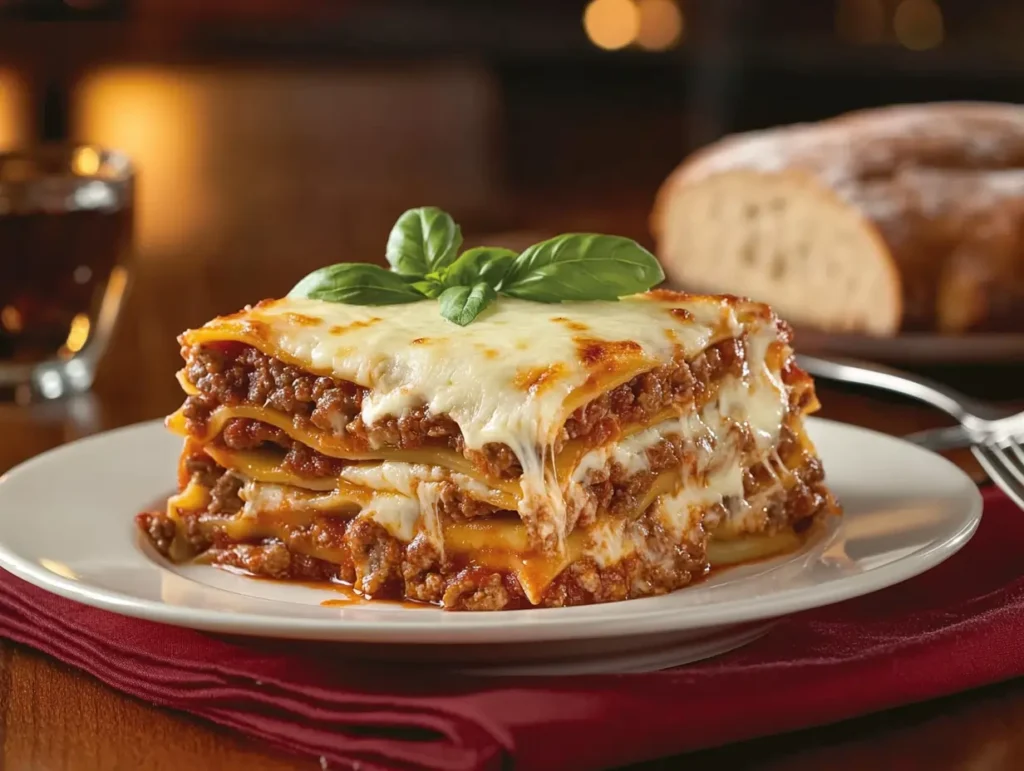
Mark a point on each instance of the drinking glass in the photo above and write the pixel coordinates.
(65, 249)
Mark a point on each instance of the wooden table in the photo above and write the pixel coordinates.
(53, 717)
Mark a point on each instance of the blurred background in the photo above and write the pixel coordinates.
(271, 137)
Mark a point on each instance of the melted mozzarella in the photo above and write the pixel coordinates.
(398, 514)
(392, 475)
(608, 542)
(264, 497)
(426, 501)
(759, 400)
(631, 453)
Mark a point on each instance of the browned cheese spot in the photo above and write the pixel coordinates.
(302, 320)
(537, 379)
(340, 329)
(668, 295)
(602, 354)
(575, 326)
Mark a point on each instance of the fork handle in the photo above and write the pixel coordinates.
(961, 407)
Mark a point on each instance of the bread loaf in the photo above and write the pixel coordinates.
(899, 218)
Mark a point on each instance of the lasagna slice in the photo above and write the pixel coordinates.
(544, 455)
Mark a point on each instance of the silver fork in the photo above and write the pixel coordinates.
(1004, 463)
(995, 437)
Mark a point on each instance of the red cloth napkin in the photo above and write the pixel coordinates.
(958, 626)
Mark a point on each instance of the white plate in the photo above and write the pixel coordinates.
(66, 524)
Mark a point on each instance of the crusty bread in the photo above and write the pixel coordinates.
(782, 238)
(908, 217)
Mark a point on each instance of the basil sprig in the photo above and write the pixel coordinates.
(423, 240)
(423, 253)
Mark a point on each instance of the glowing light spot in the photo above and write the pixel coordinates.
(918, 24)
(611, 24)
(153, 116)
(50, 384)
(661, 24)
(10, 318)
(78, 334)
(15, 112)
(85, 162)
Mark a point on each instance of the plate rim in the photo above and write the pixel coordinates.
(925, 348)
(545, 624)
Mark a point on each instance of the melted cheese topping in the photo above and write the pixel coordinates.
(510, 377)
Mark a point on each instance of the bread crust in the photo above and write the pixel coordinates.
(924, 179)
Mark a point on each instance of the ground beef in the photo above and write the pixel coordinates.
(234, 374)
(454, 504)
(201, 467)
(245, 434)
(159, 528)
(272, 559)
(475, 588)
(412, 430)
(422, 571)
(310, 464)
(651, 392)
(376, 557)
(224, 499)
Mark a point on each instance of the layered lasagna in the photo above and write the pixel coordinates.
(544, 455)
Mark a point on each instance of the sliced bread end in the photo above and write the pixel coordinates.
(783, 239)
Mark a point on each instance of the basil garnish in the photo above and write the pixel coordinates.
(430, 286)
(582, 266)
(423, 240)
(484, 263)
(462, 304)
(423, 253)
(356, 283)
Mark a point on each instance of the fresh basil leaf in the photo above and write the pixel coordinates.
(423, 240)
(462, 304)
(356, 283)
(429, 286)
(488, 264)
(582, 266)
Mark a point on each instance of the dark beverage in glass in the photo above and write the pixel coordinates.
(65, 248)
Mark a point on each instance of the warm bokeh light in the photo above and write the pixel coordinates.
(13, 110)
(150, 115)
(78, 334)
(661, 24)
(861, 21)
(918, 24)
(10, 318)
(86, 161)
(612, 24)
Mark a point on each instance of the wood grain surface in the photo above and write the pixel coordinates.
(55, 718)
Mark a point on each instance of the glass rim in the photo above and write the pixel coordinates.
(116, 165)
